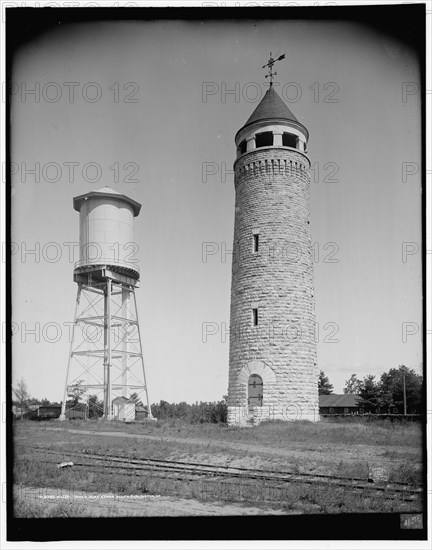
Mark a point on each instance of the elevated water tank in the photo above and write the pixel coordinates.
(106, 232)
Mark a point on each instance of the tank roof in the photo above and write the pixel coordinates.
(107, 189)
(107, 192)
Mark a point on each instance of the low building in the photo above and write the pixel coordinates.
(47, 412)
(123, 409)
(141, 412)
(345, 403)
(76, 412)
(31, 412)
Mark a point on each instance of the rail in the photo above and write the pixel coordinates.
(194, 470)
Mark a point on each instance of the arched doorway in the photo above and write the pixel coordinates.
(255, 391)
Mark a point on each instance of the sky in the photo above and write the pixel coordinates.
(151, 109)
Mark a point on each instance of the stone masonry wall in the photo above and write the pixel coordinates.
(272, 200)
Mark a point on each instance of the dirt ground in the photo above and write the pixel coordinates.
(108, 505)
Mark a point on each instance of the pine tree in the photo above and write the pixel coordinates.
(324, 386)
(370, 394)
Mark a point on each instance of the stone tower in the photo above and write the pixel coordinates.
(272, 364)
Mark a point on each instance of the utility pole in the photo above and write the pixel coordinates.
(404, 390)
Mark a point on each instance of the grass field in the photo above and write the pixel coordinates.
(331, 448)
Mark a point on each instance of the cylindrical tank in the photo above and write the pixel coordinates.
(106, 231)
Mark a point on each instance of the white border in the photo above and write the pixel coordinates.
(246, 545)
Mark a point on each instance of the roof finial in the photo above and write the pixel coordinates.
(270, 64)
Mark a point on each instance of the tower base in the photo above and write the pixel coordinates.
(244, 417)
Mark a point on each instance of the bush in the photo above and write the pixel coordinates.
(199, 413)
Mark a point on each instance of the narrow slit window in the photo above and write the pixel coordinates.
(255, 243)
(255, 317)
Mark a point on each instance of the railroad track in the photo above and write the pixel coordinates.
(108, 463)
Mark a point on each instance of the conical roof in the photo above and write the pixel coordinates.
(271, 107)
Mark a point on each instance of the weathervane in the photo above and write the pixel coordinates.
(270, 64)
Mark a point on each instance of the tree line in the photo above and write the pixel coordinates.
(399, 387)
(197, 413)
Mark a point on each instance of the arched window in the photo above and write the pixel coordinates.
(264, 139)
(255, 391)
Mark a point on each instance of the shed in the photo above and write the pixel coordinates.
(46, 412)
(345, 403)
(123, 409)
(77, 412)
(141, 412)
